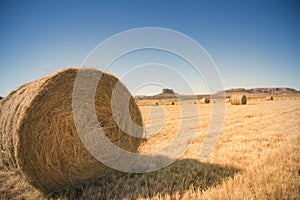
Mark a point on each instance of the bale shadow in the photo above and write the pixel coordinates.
(177, 178)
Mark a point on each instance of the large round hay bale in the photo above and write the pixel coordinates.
(238, 100)
(38, 135)
(205, 100)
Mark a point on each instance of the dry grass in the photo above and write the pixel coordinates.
(256, 157)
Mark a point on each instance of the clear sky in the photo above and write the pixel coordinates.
(253, 43)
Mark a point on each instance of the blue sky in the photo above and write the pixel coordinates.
(253, 43)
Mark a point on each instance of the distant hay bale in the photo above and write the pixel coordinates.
(38, 135)
(204, 100)
(238, 100)
(269, 98)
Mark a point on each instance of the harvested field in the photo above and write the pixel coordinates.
(256, 157)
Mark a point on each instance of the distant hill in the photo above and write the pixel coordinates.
(165, 94)
(170, 94)
(263, 90)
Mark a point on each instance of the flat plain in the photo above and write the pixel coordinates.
(257, 156)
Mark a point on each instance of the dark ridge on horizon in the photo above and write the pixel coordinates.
(278, 90)
(169, 93)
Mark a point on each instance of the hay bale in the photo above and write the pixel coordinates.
(205, 100)
(238, 100)
(38, 135)
(269, 98)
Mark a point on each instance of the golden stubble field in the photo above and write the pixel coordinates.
(256, 157)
